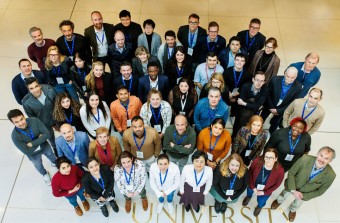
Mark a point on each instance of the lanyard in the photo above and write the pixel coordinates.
(304, 74)
(292, 147)
(208, 46)
(232, 182)
(184, 102)
(179, 142)
(141, 145)
(251, 146)
(303, 111)
(160, 177)
(97, 120)
(237, 81)
(191, 42)
(68, 48)
(179, 71)
(82, 75)
(126, 108)
(130, 87)
(206, 71)
(154, 115)
(197, 183)
(100, 181)
(101, 42)
(72, 150)
(55, 71)
(284, 89)
(314, 172)
(69, 121)
(211, 114)
(130, 175)
(169, 53)
(31, 135)
(247, 41)
(217, 138)
(264, 178)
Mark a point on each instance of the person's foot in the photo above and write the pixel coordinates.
(128, 206)
(47, 179)
(217, 207)
(86, 194)
(114, 206)
(187, 208)
(104, 210)
(171, 208)
(275, 205)
(159, 208)
(246, 200)
(78, 211)
(145, 204)
(224, 207)
(257, 211)
(86, 205)
(197, 209)
(292, 216)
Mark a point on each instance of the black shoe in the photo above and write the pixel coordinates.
(104, 210)
(187, 208)
(114, 206)
(217, 207)
(197, 209)
(224, 207)
(246, 201)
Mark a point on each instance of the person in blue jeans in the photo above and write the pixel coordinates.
(266, 175)
(164, 181)
(67, 183)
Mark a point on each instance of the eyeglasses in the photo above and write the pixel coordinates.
(269, 158)
(54, 55)
(213, 31)
(216, 82)
(269, 47)
(260, 81)
(254, 28)
(193, 23)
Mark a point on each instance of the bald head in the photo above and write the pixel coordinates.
(119, 38)
(181, 124)
(67, 132)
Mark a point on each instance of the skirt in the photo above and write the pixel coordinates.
(192, 198)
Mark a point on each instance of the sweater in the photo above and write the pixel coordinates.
(61, 184)
(38, 54)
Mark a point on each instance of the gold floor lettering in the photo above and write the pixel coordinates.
(134, 213)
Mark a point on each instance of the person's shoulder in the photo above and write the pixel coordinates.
(242, 33)
(59, 140)
(26, 99)
(16, 79)
(79, 36)
(135, 25)
(208, 169)
(183, 28)
(80, 133)
(165, 104)
(60, 39)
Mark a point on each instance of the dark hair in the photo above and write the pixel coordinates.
(66, 23)
(213, 54)
(125, 154)
(258, 72)
(218, 121)
(255, 20)
(213, 24)
(162, 157)
(191, 90)
(301, 120)
(90, 159)
(14, 113)
(197, 154)
(234, 38)
(81, 56)
(273, 41)
(152, 64)
(124, 13)
(149, 22)
(273, 150)
(174, 60)
(194, 15)
(31, 80)
(22, 60)
(170, 33)
(122, 87)
(125, 63)
(242, 55)
(61, 160)
(89, 108)
(136, 118)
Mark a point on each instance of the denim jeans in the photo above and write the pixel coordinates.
(169, 198)
(59, 88)
(37, 161)
(261, 200)
(73, 199)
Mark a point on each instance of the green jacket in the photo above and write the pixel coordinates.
(298, 178)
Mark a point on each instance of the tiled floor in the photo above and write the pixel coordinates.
(299, 26)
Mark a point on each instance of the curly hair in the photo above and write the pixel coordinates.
(58, 111)
(90, 78)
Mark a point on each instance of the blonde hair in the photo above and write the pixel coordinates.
(217, 76)
(224, 169)
(90, 78)
(48, 62)
(151, 92)
(140, 50)
(102, 130)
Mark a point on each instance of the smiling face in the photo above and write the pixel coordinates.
(269, 48)
(153, 72)
(180, 57)
(119, 39)
(313, 98)
(270, 159)
(255, 127)
(65, 169)
(123, 95)
(54, 56)
(163, 164)
(19, 122)
(212, 33)
(67, 132)
(65, 103)
(37, 37)
(234, 166)
(125, 21)
(199, 164)
(193, 24)
(170, 40)
(254, 28)
(235, 46)
(35, 89)
(310, 63)
(98, 70)
(290, 75)
(239, 62)
(97, 20)
(155, 100)
(67, 32)
(126, 163)
(79, 62)
(297, 129)
(183, 87)
(94, 101)
(126, 72)
(181, 124)
(93, 167)
(102, 139)
(211, 61)
(25, 68)
(216, 129)
(323, 157)
(143, 57)
(138, 127)
(148, 29)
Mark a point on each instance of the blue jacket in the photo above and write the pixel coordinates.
(82, 146)
(202, 118)
(223, 57)
(309, 81)
(144, 87)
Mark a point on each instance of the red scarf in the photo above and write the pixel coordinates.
(105, 158)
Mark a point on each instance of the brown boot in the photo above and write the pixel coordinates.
(257, 211)
(86, 205)
(275, 205)
(292, 216)
(78, 210)
(128, 206)
(246, 200)
(145, 204)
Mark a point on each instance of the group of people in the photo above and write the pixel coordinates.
(163, 103)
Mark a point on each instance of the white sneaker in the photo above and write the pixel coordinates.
(47, 179)
(159, 208)
(171, 208)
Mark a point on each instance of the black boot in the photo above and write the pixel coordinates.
(114, 206)
(187, 208)
(197, 209)
(224, 207)
(104, 210)
(217, 207)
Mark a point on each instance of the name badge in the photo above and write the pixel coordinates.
(289, 157)
(128, 123)
(179, 78)
(280, 101)
(229, 192)
(182, 112)
(60, 80)
(190, 51)
(84, 88)
(196, 189)
(235, 90)
(140, 155)
(129, 187)
(71, 57)
(260, 186)
(158, 128)
(248, 151)
(210, 156)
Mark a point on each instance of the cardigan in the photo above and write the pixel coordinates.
(274, 180)
(61, 184)
(166, 114)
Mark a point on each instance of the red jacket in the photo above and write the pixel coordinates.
(274, 180)
(61, 184)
